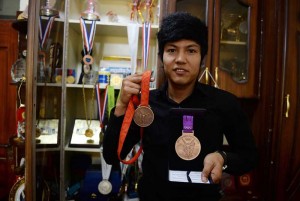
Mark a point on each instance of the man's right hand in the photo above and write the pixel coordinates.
(131, 85)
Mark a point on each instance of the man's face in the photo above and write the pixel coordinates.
(181, 61)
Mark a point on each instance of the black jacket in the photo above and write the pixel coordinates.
(223, 115)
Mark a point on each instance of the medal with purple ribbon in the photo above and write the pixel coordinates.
(187, 146)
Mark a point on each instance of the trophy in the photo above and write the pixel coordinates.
(47, 9)
(90, 13)
(18, 70)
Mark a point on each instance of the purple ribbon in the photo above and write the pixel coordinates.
(187, 123)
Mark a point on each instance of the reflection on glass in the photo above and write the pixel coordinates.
(195, 7)
(234, 40)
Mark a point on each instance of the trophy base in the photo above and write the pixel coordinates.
(90, 16)
(48, 12)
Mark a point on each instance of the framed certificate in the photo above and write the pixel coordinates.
(48, 130)
(79, 139)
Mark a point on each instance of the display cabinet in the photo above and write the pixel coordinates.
(63, 96)
(232, 27)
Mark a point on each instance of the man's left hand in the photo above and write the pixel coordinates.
(213, 164)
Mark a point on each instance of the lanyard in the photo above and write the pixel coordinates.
(129, 116)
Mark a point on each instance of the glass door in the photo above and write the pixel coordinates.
(235, 47)
(230, 63)
(44, 100)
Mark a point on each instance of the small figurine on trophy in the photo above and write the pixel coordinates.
(48, 10)
(90, 13)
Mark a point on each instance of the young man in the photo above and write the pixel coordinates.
(182, 45)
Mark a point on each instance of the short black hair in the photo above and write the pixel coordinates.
(182, 25)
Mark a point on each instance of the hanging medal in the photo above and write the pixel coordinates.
(89, 132)
(187, 146)
(143, 117)
(88, 40)
(44, 32)
(101, 105)
(104, 187)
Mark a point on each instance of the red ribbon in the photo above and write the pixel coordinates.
(134, 101)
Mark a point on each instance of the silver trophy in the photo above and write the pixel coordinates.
(47, 9)
(90, 13)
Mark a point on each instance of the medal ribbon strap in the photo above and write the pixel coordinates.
(106, 168)
(145, 88)
(146, 42)
(44, 34)
(187, 123)
(133, 40)
(101, 104)
(110, 98)
(128, 119)
(87, 38)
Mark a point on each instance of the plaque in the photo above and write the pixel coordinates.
(79, 139)
(47, 132)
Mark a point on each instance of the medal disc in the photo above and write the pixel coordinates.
(143, 116)
(70, 79)
(88, 59)
(89, 132)
(187, 146)
(105, 187)
(58, 79)
(115, 80)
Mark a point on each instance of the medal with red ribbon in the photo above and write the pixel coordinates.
(101, 104)
(44, 32)
(88, 40)
(143, 116)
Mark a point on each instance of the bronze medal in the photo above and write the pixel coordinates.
(88, 59)
(89, 132)
(187, 146)
(143, 116)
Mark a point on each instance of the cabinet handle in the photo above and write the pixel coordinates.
(287, 105)
(216, 76)
(206, 75)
